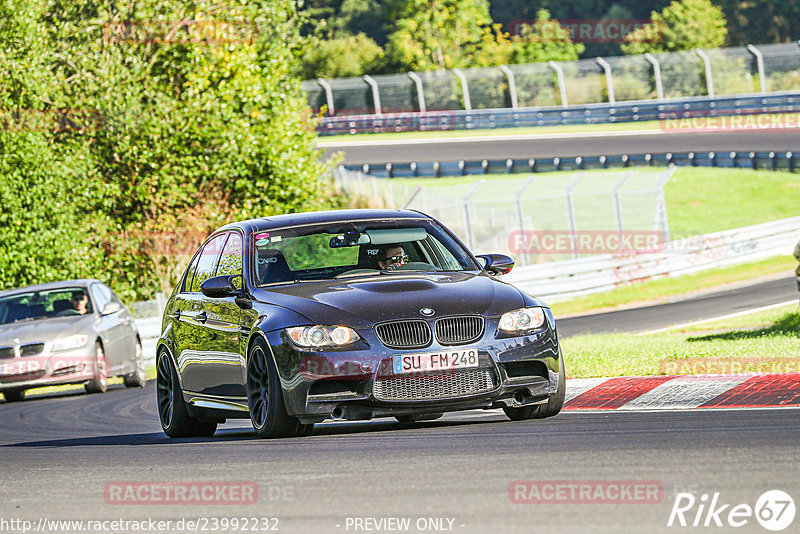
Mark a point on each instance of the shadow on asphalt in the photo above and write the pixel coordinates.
(242, 434)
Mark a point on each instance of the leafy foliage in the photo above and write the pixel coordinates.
(683, 25)
(341, 57)
(203, 120)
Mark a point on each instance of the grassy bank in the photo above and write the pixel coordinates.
(764, 342)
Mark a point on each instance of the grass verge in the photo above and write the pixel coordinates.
(765, 342)
(652, 291)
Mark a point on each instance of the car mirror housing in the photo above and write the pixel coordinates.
(219, 287)
(111, 307)
(497, 263)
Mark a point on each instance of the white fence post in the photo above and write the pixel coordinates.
(709, 79)
(328, 95)
(420, 91)
(512, 86)
(609, 78)
(464, 89)
(562, 87)
(656, 74)
(762, 79)
(376, 95)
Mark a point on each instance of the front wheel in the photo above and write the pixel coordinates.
(138, 378)
(175, 419)
(551, 407)
(265, 397)
(99, 383)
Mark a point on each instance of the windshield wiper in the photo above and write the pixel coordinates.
(26, 319)
(360, 272)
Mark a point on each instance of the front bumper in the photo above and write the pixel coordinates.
(359, 384)
(47, 369)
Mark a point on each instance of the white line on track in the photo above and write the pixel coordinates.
(483, 138)
(721, 317)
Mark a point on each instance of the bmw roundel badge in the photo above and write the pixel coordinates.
(427, 312)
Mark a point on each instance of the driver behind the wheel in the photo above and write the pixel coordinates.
(391, 257)
(79, 301)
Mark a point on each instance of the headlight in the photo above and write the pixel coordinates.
(69, 343)
(322, 336)
(522, 319)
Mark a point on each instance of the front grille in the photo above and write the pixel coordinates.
(434, 386)
(6, 352)
(459, 330)
(404, 334)
(31, 349)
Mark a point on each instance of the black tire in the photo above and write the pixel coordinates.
(418, 417)
(265, 396)
(138, 378)
(175, 420)
(551, 407)
(16, 395)
(98, 384)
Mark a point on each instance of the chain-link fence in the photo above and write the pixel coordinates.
(537, 218)
(726, 71)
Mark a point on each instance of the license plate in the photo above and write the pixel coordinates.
(435, 361)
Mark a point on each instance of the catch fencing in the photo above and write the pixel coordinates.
(761, 69)
(571, 278)
(536, 218)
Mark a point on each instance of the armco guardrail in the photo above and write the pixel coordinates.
(775, 161)
(570, 278)
(634, 111)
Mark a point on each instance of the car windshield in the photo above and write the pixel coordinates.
(340, 250)
(44, 304)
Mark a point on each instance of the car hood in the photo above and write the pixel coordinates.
(364, 301)
(44, 330)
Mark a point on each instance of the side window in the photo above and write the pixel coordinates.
(207, 263)
(187, 281)
(101, 295)
(114, 297)
(231, 260)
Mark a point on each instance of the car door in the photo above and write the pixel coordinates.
(113, 329)
(223, 375)
(193, 351)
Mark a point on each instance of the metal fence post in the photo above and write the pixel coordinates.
(521, 215)
(328, 95)
(561, 85)
(707, 62)
(656, 74)
(571, 214)
(376, 95)
(466, 198)
(609, 79)
(762, 79)
(464, 89)
(420, 91)
(617, 206)
(512, 86)
(661, 210)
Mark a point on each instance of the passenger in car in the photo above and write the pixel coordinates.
(391, 257)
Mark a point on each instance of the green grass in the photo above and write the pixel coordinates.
(772, 345)
(652, 290)
(703, 200)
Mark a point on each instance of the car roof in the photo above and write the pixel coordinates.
(321, 217)
(82, 282)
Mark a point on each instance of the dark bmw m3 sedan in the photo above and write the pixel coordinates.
(349, 315)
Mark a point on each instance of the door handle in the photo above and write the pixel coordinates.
(202, 317)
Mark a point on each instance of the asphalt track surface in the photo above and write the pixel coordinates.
(58, 452)
(684, 310)
(513, 146)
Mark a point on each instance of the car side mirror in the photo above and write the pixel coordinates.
(111, 307)
(497, 263)
(220, 287)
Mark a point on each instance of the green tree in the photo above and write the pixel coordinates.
(544, 40)
(439, 34)
(682, 25)
(355, 55)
